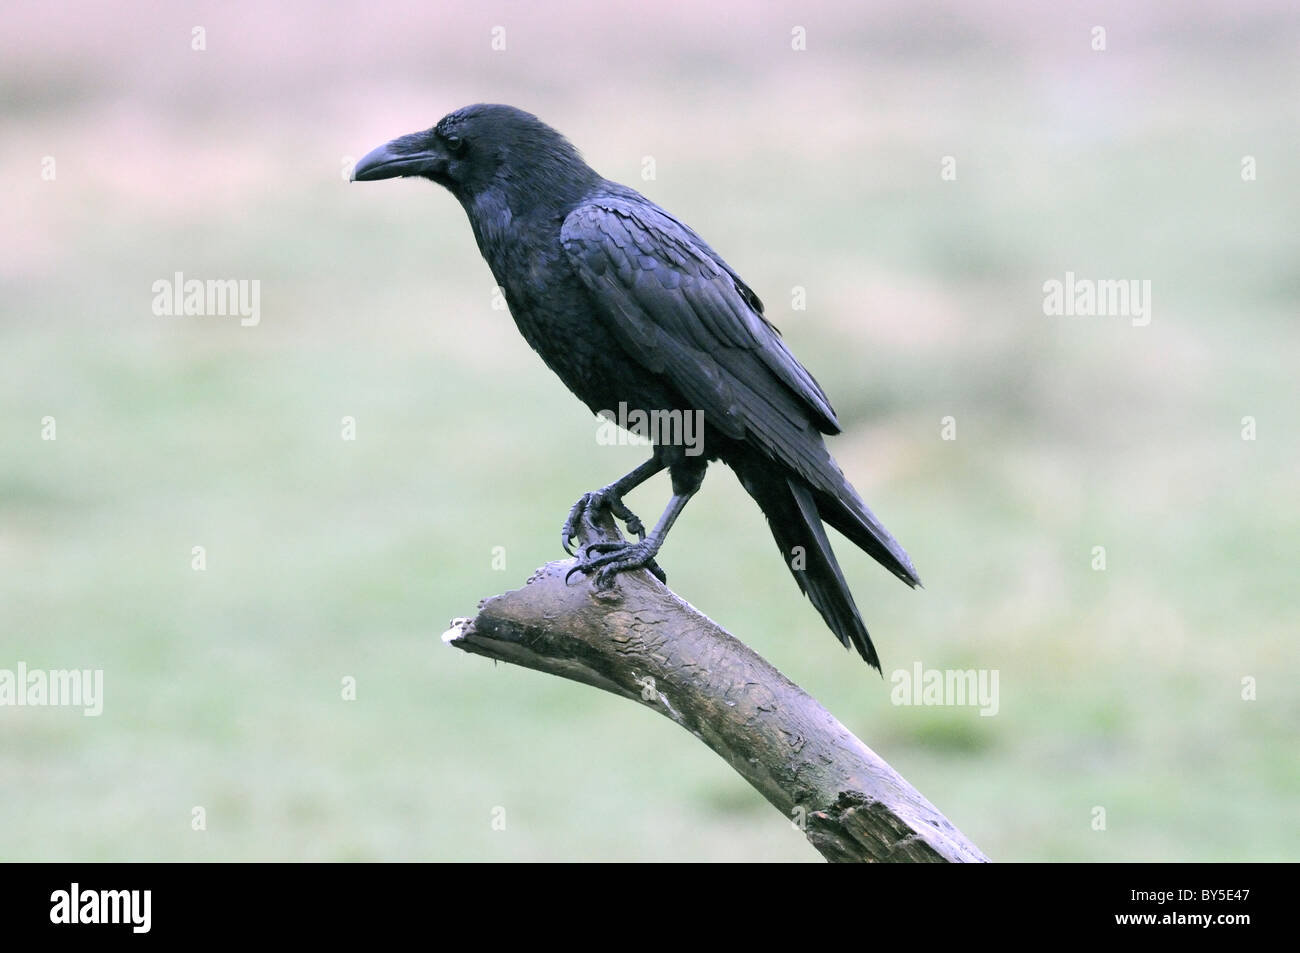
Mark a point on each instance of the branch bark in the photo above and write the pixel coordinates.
(639, 640)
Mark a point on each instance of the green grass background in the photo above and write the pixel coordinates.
(820, 168)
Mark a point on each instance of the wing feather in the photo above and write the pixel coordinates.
(681, 312)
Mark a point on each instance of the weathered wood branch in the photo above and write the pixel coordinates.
(640, 641)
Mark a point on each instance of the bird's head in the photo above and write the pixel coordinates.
(480, 148)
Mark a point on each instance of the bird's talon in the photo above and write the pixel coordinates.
(581, 516)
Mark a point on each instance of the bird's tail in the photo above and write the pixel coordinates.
(848, 514)
(795, 513)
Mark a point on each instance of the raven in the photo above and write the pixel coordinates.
(632, 309)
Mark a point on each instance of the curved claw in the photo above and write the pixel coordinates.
(595, 500)
(570, 529)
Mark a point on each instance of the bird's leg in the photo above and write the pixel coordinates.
(610, 497)
(615, 558)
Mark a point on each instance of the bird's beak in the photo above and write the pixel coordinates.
(406, 155)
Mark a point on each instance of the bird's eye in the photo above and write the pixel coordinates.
(455, 145)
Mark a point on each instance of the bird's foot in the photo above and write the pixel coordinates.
(583, 512)
(615, 558)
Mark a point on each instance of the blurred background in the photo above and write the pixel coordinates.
(821, 169)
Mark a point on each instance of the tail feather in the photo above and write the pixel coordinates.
(848, 514)
(795, 517)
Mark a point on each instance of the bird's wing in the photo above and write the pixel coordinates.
(680, 311)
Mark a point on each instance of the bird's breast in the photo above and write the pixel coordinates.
(556, 316)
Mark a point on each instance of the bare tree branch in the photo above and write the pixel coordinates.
(639, 640)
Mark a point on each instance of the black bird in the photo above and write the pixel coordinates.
(630, 307)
